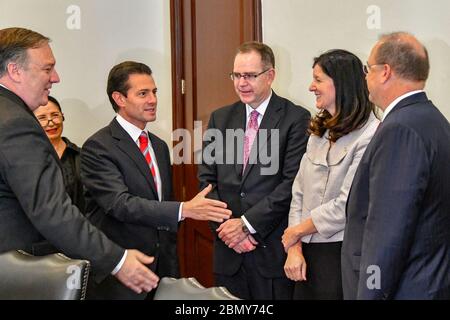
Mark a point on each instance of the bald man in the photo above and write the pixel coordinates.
(397, 237)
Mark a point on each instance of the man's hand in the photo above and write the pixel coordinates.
(201, 208)
(231, 232)
(246, 245)
(135, 275)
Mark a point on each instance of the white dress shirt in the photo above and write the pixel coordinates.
(134, 133)
(261, 110)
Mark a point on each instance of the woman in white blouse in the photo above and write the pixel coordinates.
(340, 133)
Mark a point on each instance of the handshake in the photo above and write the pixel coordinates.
(136, 276)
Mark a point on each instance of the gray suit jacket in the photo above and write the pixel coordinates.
(36, 214)
(322, 184)
(397, 237)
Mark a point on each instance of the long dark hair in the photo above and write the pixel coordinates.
(353, 107)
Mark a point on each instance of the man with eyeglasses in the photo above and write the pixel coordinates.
(397, 236)
(248, 254)
(367, 67)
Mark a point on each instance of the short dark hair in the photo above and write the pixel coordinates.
(118, 78)
(266, 53)
(14, 43)
(353, 107)
(408, 61)
(53, 99)
(56, 103)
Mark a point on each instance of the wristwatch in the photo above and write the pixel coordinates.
(244, 227)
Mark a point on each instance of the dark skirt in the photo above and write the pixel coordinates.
(323, 272)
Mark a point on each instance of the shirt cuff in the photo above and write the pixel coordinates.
(249, 226)
(180, 210)
(120, 264)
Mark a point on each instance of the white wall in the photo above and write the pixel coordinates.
(299, 30)
(111, 31)
(87, 41)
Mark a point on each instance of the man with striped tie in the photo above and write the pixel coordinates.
(127, 175)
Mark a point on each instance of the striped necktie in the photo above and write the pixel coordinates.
(145, 149)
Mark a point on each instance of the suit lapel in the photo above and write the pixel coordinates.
(161, 163)
(238, 121)
(270, 121)
(129, 147)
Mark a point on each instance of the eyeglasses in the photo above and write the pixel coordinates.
(44, 121)
(367, 67)
(246, 76)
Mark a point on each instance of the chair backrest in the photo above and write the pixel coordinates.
(189, 289)
(52, 277)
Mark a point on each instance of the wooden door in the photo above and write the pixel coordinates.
(205, 35)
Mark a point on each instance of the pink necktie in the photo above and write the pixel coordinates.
(145, 149)
(250, 135)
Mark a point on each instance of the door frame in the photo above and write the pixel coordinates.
(181, 113)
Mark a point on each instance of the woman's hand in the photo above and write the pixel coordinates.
(290, 237)
(293, 234)
(295, 265)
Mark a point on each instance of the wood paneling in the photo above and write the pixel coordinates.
(205, 35)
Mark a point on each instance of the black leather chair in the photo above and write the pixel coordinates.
(189, 289)
(52, 277)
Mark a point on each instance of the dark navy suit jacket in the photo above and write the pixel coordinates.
(397, 237)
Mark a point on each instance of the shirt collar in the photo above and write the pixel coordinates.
(396, 101)
(2, 85)
(261, 108)
(130, 128)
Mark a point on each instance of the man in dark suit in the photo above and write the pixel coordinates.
(397, 238)
(248, 254)
(127, 174)
(36, 214)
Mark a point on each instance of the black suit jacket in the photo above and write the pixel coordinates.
(36, 213)
(398, 209)
(264, 199)
(122, 201)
